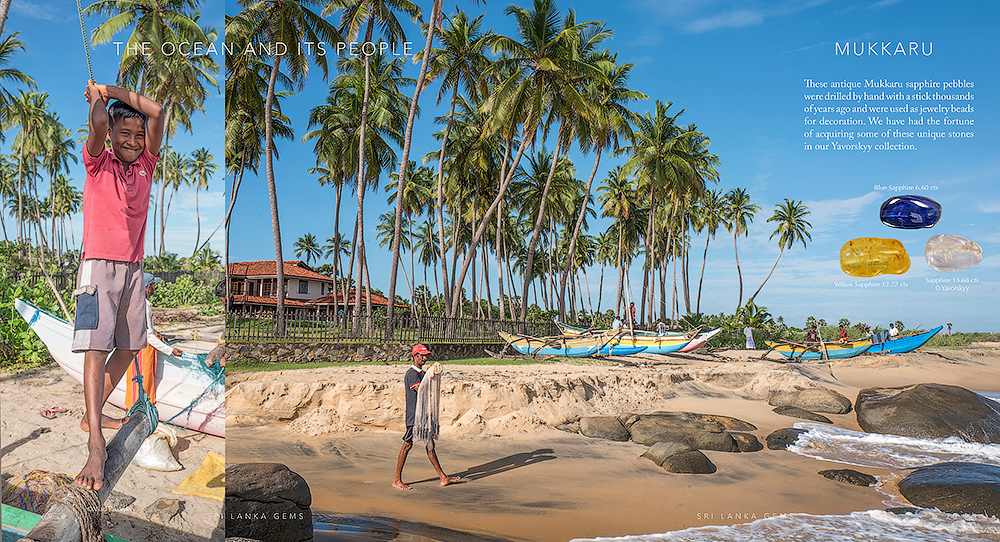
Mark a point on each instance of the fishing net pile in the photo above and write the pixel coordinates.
(426, 423)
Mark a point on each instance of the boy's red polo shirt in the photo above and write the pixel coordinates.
(115, 203)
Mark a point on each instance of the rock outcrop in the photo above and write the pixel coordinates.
(812, 400)
(271, 490)
(928, 411)
(958, 488)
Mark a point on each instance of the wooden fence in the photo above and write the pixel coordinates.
(260, 326)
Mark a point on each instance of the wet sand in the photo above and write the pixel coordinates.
(525, 480)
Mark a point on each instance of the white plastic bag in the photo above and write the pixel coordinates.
(155, 452)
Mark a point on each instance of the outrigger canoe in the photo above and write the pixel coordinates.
(572, 347)
(813, 351)
(654, 344)
(179, 381)
(698, 341)
(908, 343)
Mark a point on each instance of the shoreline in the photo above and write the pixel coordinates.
(340, 429)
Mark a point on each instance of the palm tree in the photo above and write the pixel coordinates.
(610, 120)
(308, 246)
(739, 212)
(27, 111)
(285, 22)
(201, 167)
(354, 15)
(8, 47)
(792, 227)
(709, 215)
(619, 199)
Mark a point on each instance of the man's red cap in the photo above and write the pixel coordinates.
(419, 349)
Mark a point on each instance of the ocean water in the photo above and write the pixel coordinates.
(839, 445)
(872, 525)
(887, 451)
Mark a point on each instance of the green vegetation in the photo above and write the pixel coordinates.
(20, 348)
(962, 339)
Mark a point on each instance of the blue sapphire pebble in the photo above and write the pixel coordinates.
(910, 212)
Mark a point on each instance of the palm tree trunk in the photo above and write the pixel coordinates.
(576, 232)
(440, 194)
(541, 211)
(4, 8)
(736, 251)
(499, 252)
(600, 292)
(279, 261)
(197, 214)
(768, 275)
(336, 251)
(401, 185)
(701, 278)
(456, 296)
(361, 174)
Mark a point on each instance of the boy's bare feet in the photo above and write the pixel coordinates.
(398, 484)
(92, 475)
(448, 480)
(107, 422)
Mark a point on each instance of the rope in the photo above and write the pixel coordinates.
(86, 507)
(86, 44)
(142, 403)
(220, 377)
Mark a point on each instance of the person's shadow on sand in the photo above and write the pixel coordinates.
(508, 463)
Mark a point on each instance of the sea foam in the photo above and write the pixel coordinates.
(887, 451)
(925, 526)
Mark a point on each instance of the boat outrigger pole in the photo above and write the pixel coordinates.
(60, 522)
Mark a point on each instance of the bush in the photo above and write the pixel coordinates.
(184, 292)
(20, 348)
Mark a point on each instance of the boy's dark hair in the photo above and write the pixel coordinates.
(119, 110)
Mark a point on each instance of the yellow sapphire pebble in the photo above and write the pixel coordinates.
(871, 256)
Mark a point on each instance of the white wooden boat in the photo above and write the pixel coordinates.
(179, 381)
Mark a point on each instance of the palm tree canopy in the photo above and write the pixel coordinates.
(792, 225)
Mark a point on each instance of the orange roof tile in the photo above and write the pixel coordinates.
(246, 299)
(377, 300)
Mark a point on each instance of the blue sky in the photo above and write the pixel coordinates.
(737, 69)
(54, 58)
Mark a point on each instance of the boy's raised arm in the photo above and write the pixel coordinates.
(98, 119)
(142, 104)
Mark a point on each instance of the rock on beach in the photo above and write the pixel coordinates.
(928, 411)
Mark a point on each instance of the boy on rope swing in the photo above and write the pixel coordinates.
(110, 300)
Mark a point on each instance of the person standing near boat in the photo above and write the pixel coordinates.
(661, 328)
(893, 332)
(147, 356)
(109, 296)
(748, 333)
(842, 337)
(413, 382)
(616, 324)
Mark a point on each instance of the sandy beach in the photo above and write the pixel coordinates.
(340, 429)
(31, 441)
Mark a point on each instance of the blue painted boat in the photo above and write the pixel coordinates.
(620, 350)
(572, 347)
(808, 352)
(908, 343)
(17, 523)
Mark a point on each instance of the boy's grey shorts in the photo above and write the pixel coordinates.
(110, 306)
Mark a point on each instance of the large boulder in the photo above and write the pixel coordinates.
(679, 458)
(812, 399)
(957, 488)
(796, 412)
(606, 427)
(928, 411)
(783, 438)
(267, 501)
(849, 476)
(698, 431)
(746, 442)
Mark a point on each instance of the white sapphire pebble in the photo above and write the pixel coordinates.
(952, 253)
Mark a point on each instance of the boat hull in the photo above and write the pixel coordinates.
(700, 340)
(553, 346)
(177, 381)
(833, 350)
(653, 344)
(904, 344)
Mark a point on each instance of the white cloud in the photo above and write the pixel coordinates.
(733, 19)
(832, 214)
(34, 10)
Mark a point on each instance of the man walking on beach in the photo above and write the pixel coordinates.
(412, 379)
